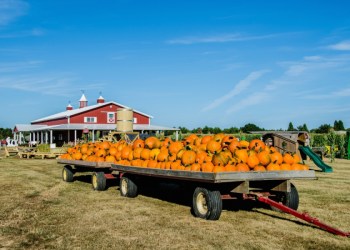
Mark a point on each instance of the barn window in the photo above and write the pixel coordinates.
(135, 120)
(90, 119)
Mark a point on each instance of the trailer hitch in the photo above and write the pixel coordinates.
(303, 216)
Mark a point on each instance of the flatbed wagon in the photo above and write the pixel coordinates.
(101, 172)
(274, 188)
(211, 188)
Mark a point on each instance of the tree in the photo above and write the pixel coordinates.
(338, 125)
(290, 127)
(5, 132)
(303, 128)
(323, 129)
(184, 130)
(250, 127)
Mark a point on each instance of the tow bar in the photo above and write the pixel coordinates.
(303, 216)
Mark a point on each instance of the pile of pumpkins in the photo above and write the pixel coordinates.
(208, 153)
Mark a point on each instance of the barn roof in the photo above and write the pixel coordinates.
(69, 113)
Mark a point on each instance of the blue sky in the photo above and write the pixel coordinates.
(186, 63)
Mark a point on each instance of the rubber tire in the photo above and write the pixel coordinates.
(207, 204)
(67, 173)
(290, 199)
(127, 187)
(98, 181)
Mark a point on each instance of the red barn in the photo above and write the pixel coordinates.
(93, 121)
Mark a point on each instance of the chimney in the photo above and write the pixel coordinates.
(69, 107)
(82, 101)
(100, 99)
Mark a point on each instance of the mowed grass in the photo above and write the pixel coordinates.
(40, 211)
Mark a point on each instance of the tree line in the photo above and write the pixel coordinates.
(322, 129)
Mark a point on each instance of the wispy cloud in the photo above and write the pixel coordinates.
(238, 88)
(311, 63)
(222, 38)
(11, 9)
(48, 85)
(24, 33)
(344, 45)
(251, 100)
(18, 66)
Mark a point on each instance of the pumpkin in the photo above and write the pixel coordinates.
(259, 168)
(252, 160)
(188, 157)
(220, 159)
(154, 153)
(125, 152)
(195, 167)
(207, 167)
(257, 145)
(264, 158)
(273, 167)
(163, 155)
(110, 158)
(105, 144)
(145, 154)
(152, 142)
(241, 155)
(288, 158)
(276, 157)
(175, 147)
(218, 169)
(242, 167)
(233, 146)
(230, 168)
(206, 139)
(285, 167)
(213, 146)
(138, 143)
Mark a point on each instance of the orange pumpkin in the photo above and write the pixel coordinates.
(110, 158)
(242, 167)
(152, 142)
(220, 159)
(264, 158)
(175, 147)
(257, 145)
(285, 167)
(273, 167)
(163, 155)
(276, 157)
(138, 143)
(253, 160)
(288, 158)
(218, 169)
(241, 155)
(145, 154)
(188, 157)
(259, 168)
(213, 146)
(195, 167)
(207, 167)
(233, 145)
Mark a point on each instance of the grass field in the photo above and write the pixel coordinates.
(40, 211)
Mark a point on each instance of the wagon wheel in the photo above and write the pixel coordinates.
(289, 199)
(127, 187)
(98, 181)
(67, 173)
(207, 204)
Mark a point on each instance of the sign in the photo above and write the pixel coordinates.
(110, 117)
